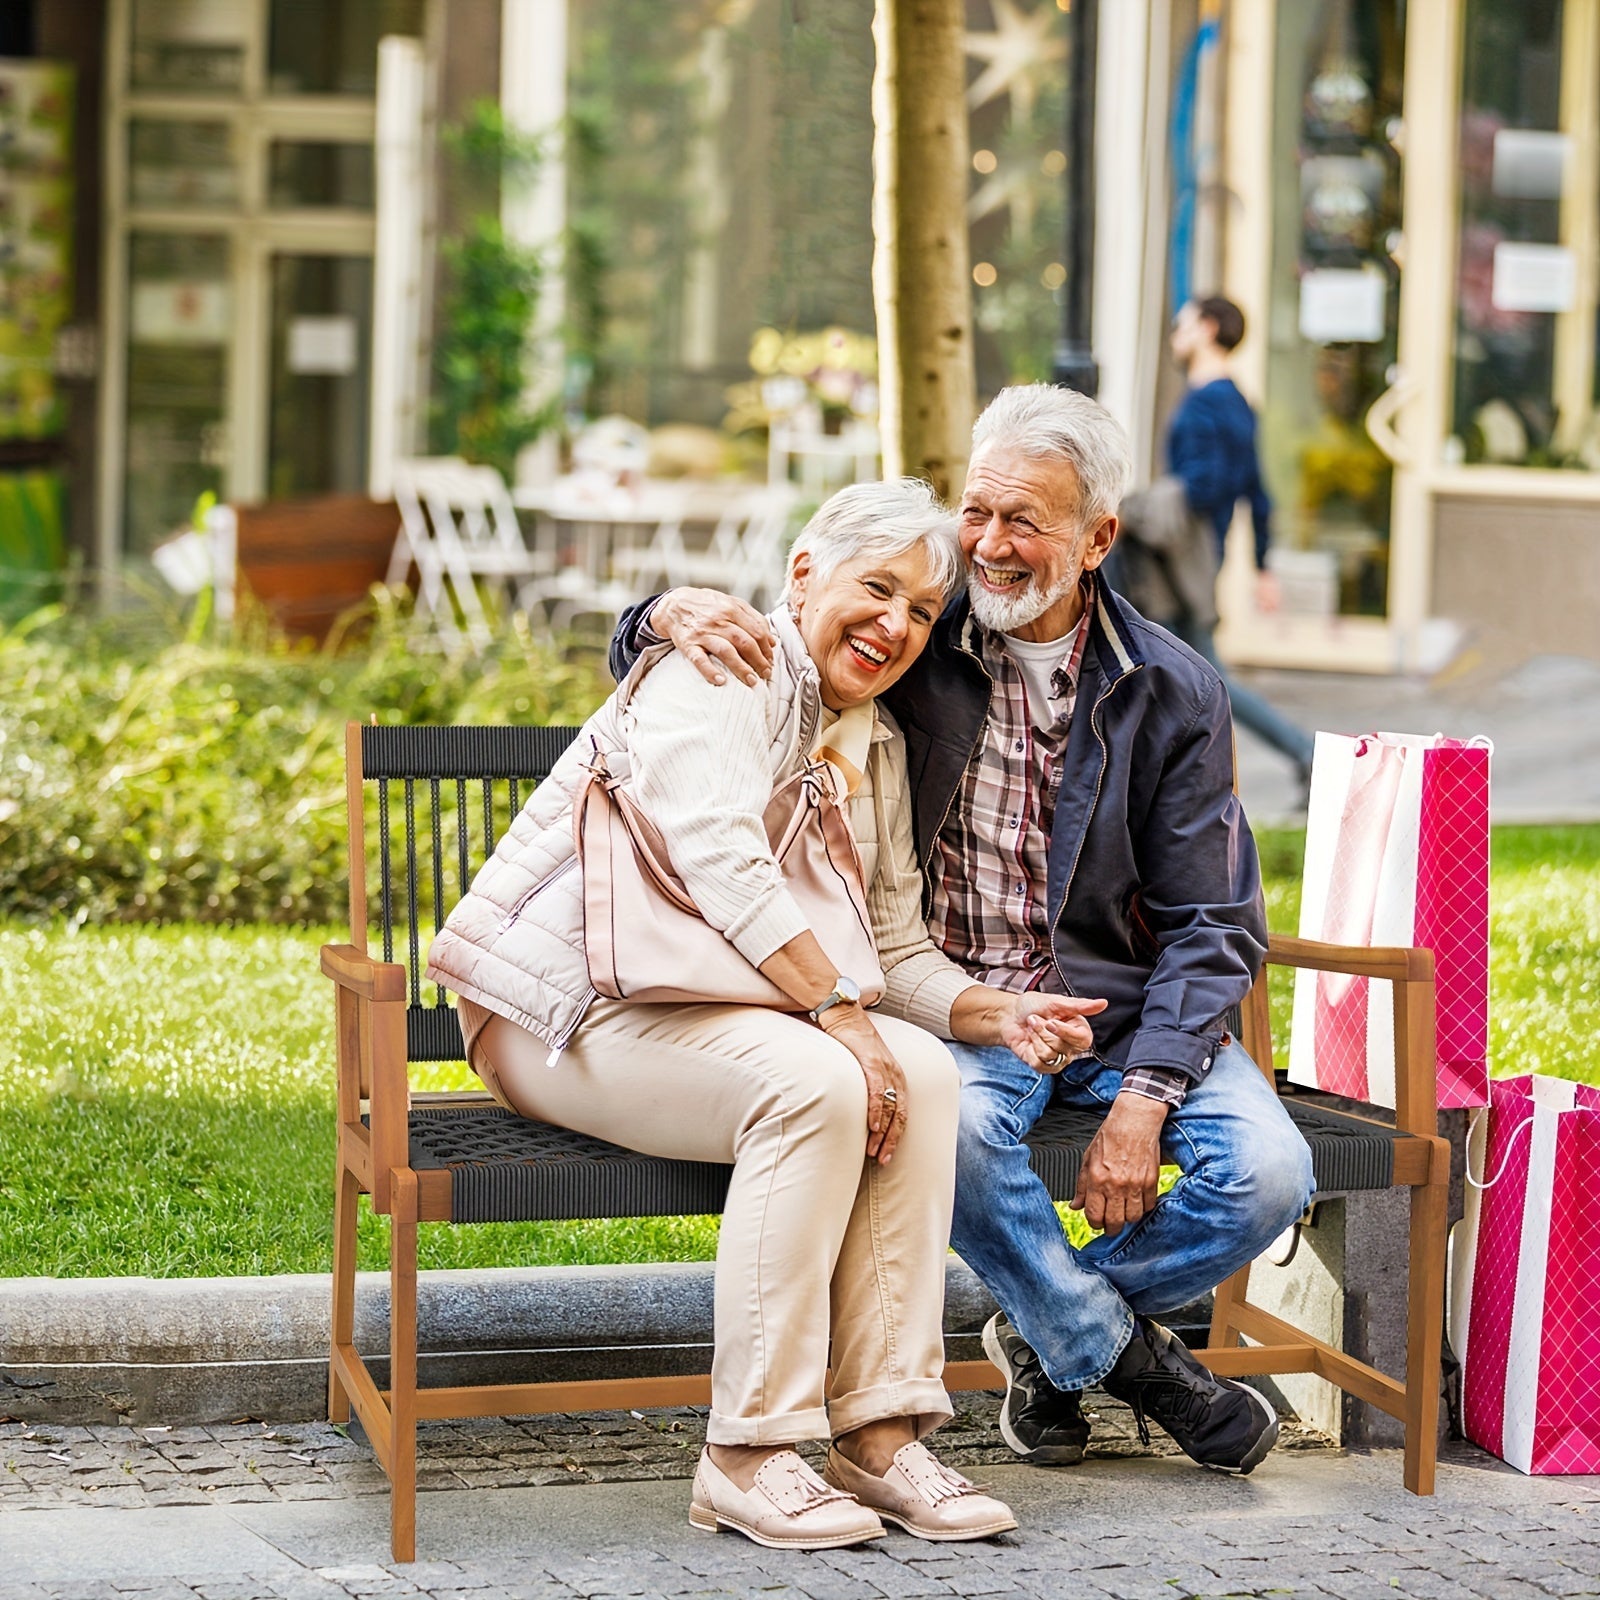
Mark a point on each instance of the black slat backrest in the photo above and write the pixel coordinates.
(469, 783)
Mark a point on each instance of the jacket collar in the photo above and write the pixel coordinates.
(1115, 641)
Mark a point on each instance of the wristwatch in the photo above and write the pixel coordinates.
(845, 992)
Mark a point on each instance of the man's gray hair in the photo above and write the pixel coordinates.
(883, 520)
(1045, 423)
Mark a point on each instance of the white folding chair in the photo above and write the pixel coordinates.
(747, 551)
(458, 525)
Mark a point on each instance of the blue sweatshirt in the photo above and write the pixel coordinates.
(1211, 446)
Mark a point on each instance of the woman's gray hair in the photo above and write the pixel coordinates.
(1045, 423)
(882, 520)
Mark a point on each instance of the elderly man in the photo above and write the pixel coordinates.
(1071, 766)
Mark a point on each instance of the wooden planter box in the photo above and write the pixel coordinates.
(307, 561)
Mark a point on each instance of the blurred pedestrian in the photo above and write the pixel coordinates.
(1173, 544)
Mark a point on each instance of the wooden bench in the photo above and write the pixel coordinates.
(462, 1158)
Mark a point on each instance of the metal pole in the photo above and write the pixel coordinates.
(1074, 361)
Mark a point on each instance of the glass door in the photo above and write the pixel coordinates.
(321, 323)
(1334, 295)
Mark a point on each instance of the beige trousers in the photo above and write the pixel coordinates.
(818, 1244)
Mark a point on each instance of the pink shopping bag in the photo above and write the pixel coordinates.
(1397, 853)
(1526, 1276)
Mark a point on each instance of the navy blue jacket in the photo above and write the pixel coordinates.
(1154, 890)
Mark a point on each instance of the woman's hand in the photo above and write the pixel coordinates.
(886, 1119)
(1048, 1030)
(716, 634)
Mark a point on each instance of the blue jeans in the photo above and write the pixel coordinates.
(1246, 1176)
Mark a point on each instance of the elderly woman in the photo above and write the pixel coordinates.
(840, 1124)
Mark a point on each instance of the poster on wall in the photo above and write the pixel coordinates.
(35, 241)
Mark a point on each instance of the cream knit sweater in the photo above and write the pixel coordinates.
(702, 771)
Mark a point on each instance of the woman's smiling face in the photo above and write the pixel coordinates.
(865, 622)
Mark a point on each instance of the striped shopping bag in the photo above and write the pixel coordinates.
(1397, 853)
(1525, 1277)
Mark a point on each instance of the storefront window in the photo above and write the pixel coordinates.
(319, 173)
(194, 46)
(1519, 278)
(721, 184)
(331, 46)
(181, 164)
(1334, 307)
(180, 318)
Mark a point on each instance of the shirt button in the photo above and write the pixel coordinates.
(1016, 822)
(1021, 887)
(1021, 745)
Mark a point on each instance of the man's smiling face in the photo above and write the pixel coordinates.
(1022, 533)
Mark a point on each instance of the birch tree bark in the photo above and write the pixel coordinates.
(920, 281)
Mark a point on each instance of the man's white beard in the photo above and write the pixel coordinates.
(1005, 613)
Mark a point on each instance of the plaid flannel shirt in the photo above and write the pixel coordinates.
(990, 865)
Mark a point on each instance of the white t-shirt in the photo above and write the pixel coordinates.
(1037, 664)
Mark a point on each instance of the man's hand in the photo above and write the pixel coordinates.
(1048, 1030)
(716, 634)
(1121, 1168)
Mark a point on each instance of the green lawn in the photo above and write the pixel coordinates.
(166, 1099)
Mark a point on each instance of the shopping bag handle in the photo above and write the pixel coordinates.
(1489, 1183)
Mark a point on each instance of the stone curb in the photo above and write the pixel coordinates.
(199, 1350)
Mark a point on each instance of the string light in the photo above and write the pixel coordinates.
(985, 160)
(1053, 276)
(984, 274)
(1054, 163)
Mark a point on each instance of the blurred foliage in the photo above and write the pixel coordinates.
(480, 356)
(150, 772)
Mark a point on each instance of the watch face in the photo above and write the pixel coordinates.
(850, 989)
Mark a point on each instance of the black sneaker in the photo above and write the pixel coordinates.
(1042, 1423)
(1218, 1422)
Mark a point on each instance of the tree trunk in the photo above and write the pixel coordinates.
(920, 277)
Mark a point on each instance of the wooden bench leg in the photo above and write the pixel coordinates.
(403, 1365)
(1230, 1294)
(347, 1194)
(1424, 1333)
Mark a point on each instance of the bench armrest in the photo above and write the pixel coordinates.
(1411, 973)
(1397, 963)
(356, 971)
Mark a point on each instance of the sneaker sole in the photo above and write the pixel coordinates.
(709, 1521)
(1045, 1455)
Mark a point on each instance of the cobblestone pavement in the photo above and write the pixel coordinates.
(297, 1512)
(43, 1467)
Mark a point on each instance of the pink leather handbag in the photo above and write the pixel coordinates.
(646, 940)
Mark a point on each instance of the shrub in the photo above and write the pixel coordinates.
(199, 776)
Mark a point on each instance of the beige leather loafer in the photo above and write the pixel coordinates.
(923, 1496)
(790, 1507)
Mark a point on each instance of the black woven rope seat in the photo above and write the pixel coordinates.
(506, 1168)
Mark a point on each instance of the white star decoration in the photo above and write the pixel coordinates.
(1021, 43)
(1014, 189)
